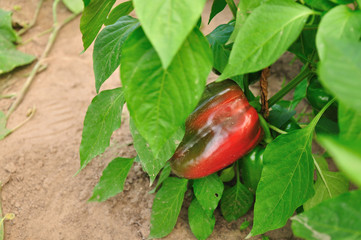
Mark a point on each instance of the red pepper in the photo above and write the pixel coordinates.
(222, 129)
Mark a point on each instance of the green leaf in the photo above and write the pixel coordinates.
(201, 221)
(166, 207)
(328, 185)
(265, 36)
(346, 154)
(86, 2)
(101, 120)
(94, 15)
(3, 130)
(339, 23)
(279, 115)
(349, 122)
(174, 22)
(208, 191)
(236, 202)
(286, 181)
(160, 100)
(218, 38)
(320, 4)
(108, 48)
(217, 7)
(151, 162)
(76, 6)
(11, 58)
(6, 30)
(340, 71)
(112, 181)
(305, 45)
(119, 11)
(164, 174)
(337, 218)
(244, 9)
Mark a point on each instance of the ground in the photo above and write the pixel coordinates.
(38, 162)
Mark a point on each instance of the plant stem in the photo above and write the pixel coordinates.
(305, 73)
(38, 64)
(246, 86)
(315, 120)
(33, 21)
(267, 133)
(233, 7)
(277, 129)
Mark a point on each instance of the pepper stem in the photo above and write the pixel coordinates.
(267, 133)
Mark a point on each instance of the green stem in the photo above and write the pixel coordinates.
(277, 129)
(267, 133)
(237, 171)
(315, 120)
(38, 64)
(305, 73)
(33, 21)
(246, 86)
(233, 7)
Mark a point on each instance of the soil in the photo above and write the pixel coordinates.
(38, 162)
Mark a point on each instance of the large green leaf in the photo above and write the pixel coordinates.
(76, 6)
(201, 221)
(152, 163)
(236, 202)
(286, 181)
(119, 11)
(346, 154)
(244, 9)
(340, 71)
(328, 184)
(94, 15)
(112, 181)
(101, 120)
(166, 207)
(340, 23)
(173, 22)
(337, 218)
(159, 100)
(208, 191)
(265, 36)
(217, 7)
(108, 48)
(350, 123)
(287, 178)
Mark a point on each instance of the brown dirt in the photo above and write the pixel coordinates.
(39, 160)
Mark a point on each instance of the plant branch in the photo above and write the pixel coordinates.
(233, 7)
(264, 92)
(267, 133)
(277, 129)
(305, 73)
(33, 21)
(38, 64)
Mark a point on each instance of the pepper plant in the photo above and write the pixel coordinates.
(165, 60)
